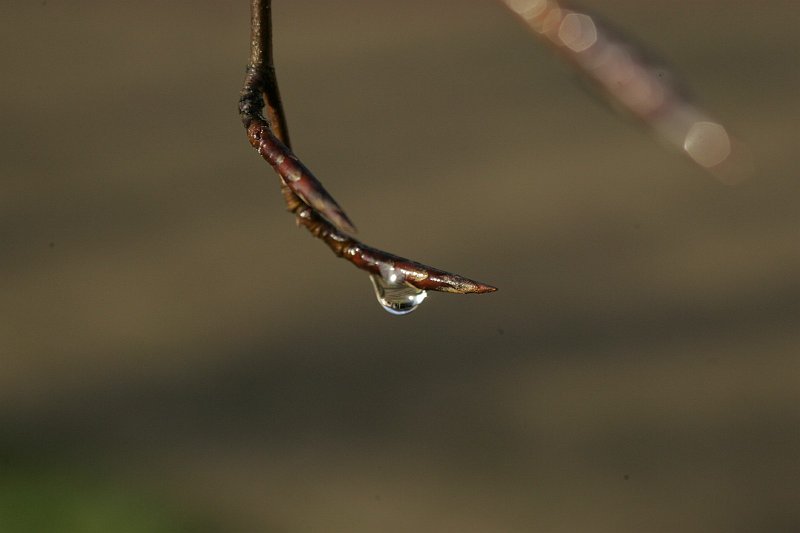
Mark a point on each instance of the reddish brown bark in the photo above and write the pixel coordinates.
(315, 209)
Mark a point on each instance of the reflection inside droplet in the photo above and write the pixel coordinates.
(394, 295)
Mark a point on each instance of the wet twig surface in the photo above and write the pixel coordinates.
(315, 209)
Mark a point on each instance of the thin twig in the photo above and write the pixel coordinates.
(315, 209)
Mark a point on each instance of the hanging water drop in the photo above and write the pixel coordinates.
(394, 295)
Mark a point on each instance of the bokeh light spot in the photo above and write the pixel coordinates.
(577, 32)
(527, 9)
(707, 143)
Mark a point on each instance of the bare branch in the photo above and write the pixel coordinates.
(315, 209)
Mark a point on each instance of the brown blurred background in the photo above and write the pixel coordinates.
(176, 355)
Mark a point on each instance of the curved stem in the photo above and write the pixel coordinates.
(305, 196)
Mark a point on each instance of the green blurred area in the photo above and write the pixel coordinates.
(176, 355)
(55, 497)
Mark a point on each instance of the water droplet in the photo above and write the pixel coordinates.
(394, 295)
